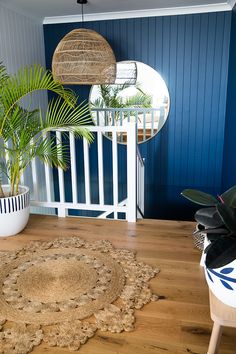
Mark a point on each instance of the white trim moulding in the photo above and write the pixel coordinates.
(225, 6)
(232, 3)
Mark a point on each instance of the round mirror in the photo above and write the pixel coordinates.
(139, 95)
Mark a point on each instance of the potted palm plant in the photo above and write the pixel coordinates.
(24, 135)
(218, 221)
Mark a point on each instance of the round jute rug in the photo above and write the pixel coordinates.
(62, 291)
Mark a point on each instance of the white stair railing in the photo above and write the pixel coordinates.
(149, 120)
(127, 206)
(140, 184)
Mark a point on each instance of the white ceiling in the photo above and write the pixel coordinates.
(51, 8)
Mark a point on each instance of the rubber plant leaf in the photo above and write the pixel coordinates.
(208, 247)
(221, 252)
(219, 231)
(213, 237)
(209, 217)
(228, 216)
(213, 234)
(199, 197)
(229, 197)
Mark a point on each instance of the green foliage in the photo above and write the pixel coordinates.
(199, 197)
(111, 98)
(228, 216)
(221, 252)
(24, 133)
(229, 197)
(219, 223)
(209, 217)
(140, 100)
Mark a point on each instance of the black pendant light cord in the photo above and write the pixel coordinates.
(82, 15)
(82, 2)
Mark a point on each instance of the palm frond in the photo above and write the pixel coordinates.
(52, 153)
(25, 82)
(60, 115)
(140, 100)
(24, 132)
(32, 79)
(81, 132)
(3, 170)
(3, 74)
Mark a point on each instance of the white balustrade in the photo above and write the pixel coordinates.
(86, 172)
(100, 168)
(62, 212)
(148, 120)
(73, 168)
(48, 180)
(140, 184)
(128, 206)
(34, 177)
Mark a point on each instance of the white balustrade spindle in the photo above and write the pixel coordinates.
(73, 168)
(128, 206)
(86, 172)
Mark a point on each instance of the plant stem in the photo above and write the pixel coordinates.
(1, 192)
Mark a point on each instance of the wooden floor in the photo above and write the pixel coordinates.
(179, 322)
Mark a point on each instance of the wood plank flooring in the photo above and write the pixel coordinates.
(179, 322)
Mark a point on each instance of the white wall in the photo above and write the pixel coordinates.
(21, 44)
(21, 40)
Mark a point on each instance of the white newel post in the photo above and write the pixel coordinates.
(62, 212)
(131, 172)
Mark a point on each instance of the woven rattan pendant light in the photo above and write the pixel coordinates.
(84, 57)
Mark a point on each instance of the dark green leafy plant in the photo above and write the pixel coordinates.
(218, 221)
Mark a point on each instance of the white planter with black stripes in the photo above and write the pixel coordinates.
(14, 212)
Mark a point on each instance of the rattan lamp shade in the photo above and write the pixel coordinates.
(84, 57)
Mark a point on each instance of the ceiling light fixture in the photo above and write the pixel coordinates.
(82, 2)
(84, 57)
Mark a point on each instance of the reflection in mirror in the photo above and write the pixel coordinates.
(126, 72)
(142, 97)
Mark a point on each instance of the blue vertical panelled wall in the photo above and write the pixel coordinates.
(229, 163)
(191, 52)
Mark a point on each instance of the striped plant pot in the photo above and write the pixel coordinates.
(14, 212)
